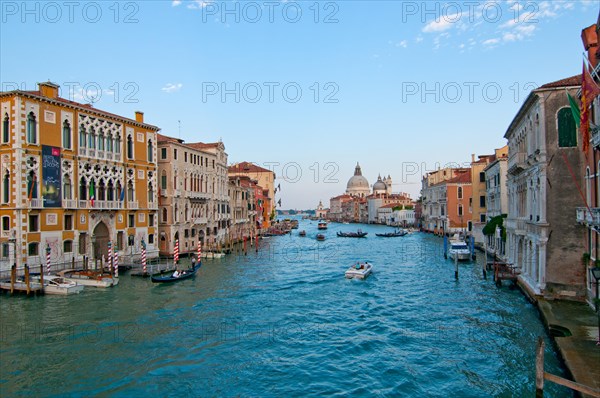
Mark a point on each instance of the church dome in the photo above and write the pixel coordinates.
(357, 184)
(379, 185)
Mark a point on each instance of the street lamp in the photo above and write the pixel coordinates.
(596, 275)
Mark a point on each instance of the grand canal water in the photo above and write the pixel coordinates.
(283, 322)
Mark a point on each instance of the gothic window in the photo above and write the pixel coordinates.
(460, 193)
(92, 139)
(164, 215)
(32, 191)
(130, 193)
(67, 189)
(129, 147)
(150, 193)
(118, 144)
(83, 189)
(6, 188)
(5, 128)
(150, 151)
(110, 192)
(109, 143)
(66, 135)
(31, 129)
(82, 136)
(101, 190)
(101, 140)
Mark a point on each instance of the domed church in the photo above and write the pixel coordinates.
(358, 185)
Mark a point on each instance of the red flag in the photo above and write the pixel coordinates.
(589, 91)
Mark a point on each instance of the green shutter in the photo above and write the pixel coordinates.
(567, 133)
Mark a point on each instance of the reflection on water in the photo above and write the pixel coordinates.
(283, 321)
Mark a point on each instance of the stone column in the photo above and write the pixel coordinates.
(542, 263)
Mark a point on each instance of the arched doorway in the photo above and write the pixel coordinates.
(100, 238)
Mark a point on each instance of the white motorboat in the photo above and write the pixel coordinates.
(90, 278)
(459, 249)
(54, 284)
(322, 224)
(359, 270)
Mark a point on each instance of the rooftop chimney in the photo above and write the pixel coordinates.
(589, 37)
(48, 89)
(139, 117)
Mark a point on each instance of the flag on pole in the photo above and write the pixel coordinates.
(574, 109)
(31, 187)
(92, 193)
(589, 91)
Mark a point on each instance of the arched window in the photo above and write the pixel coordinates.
(129, 147)
(82, 136)
(100, 140)
(66, 135)
(150, 151)
(120, 192)
(32, 191)
(31, 129)
(130, 193)
(101, 190)
(150, 193)
(67, 188)
(164, 214)
(163, 180)
(460, 193)
(109, 143)
(5, 128)
(567, 133)
(118, 144)
(6, 188)
(83, 189)
(588, 187)
(92, 139)
(110, 192)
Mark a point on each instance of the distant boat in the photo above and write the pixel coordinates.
(322, 225)
(186, 274)
(302, 233)
(320, 237)
(359, 270)
(400, 232)
(357, 234)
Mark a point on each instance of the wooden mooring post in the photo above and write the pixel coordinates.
(13, 278)
(541, 375)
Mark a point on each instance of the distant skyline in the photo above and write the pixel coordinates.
(301, 87)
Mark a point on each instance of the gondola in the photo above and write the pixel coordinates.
(358, 234)
(186, 274)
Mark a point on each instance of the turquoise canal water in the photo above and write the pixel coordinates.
(283, 322)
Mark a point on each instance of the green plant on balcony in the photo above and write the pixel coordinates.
(493, 223)
(585, 259)
(597, 263)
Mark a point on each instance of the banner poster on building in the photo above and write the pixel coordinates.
(51, 176)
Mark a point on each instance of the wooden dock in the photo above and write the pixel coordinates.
(23, 284)
(505, 271)
(152, 269)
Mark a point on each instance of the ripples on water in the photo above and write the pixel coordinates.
(283, 322)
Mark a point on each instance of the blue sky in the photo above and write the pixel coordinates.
(307, 87)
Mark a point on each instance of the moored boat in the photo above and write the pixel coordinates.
(302, 233)
(400, 232)
(359, 270)
(320, 237)
(175, 277)
(90, 277)
(459, 250)
(54, 284)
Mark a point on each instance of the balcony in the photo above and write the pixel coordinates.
(585, 217)
(69, 203)
(5, 234)
(176, 193)
(517, 162)
(518, 225)
(36, 203)
(595, 132)
(200, 220)
(82, 151)
(83, 204)
(133, 205)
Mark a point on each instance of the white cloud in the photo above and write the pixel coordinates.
(197, 4)
(403, 44)
(419, 39)
(491, 42)
(441, 24)
(175, 3)
(171, 88)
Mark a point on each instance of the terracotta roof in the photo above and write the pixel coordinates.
(202, 145)
(84, 107)
(462, 178)
(164, 138)
(343, 196)
(391, 206)
(567, 82)
(247, 167)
